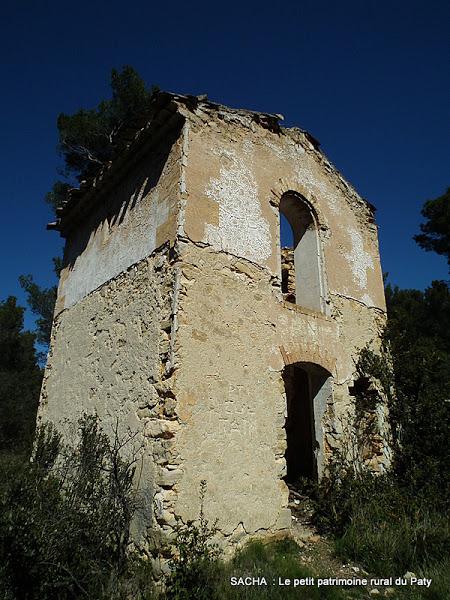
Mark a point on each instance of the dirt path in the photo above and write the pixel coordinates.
(318, 552)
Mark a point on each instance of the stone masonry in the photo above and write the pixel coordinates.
(180, 318)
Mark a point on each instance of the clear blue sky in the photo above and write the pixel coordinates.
(368, 78)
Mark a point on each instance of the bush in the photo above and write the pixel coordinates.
(380, 523)
(439, 573)
(195, 563)
(199, 574)
(418, 333)
(65, 519)
(397, 521)
(391, 541)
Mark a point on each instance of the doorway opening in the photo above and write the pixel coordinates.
(308, 389)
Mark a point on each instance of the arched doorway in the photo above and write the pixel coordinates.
(308, 388)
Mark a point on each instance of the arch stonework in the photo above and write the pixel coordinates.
(285, 187)
(296, 353)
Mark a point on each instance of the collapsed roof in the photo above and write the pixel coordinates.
(131, 141)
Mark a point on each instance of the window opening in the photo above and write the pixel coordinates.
(301, 270)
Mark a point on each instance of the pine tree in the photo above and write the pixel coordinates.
(20, 380)
(435, 234)
(86, 138)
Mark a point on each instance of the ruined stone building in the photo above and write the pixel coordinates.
(180, 315)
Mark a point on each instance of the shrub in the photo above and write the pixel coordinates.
(380, 523)
(393, 540)
(65, 518)
(396, 521)
(196, 559)
(439, 589)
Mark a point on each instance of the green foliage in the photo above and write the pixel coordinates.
(399, 521)
(195, 559)
(86, 143)
(375, 367)
(381, 523)
(42, 303)
(255, 560)
(198, 572)
(392, 532)
(272, 561)
(435, 234)
(58, 194)
(439, 573)
(419, 336)
(65, 519)
(130, 96)
(86, 138)
(337, 497)
(20, 380)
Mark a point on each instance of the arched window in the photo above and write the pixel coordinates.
(301, 263)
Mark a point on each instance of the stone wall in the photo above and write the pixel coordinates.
(174, 320)
(288, 274)
(236, 173)
(236, 335)
(238, 331)
(111, 351)
(108, 356)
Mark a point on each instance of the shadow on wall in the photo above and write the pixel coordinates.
(116, 202)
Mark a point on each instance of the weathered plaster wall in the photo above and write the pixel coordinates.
(129, 222)
(235, 336)
(108, 356)
(236, 174)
